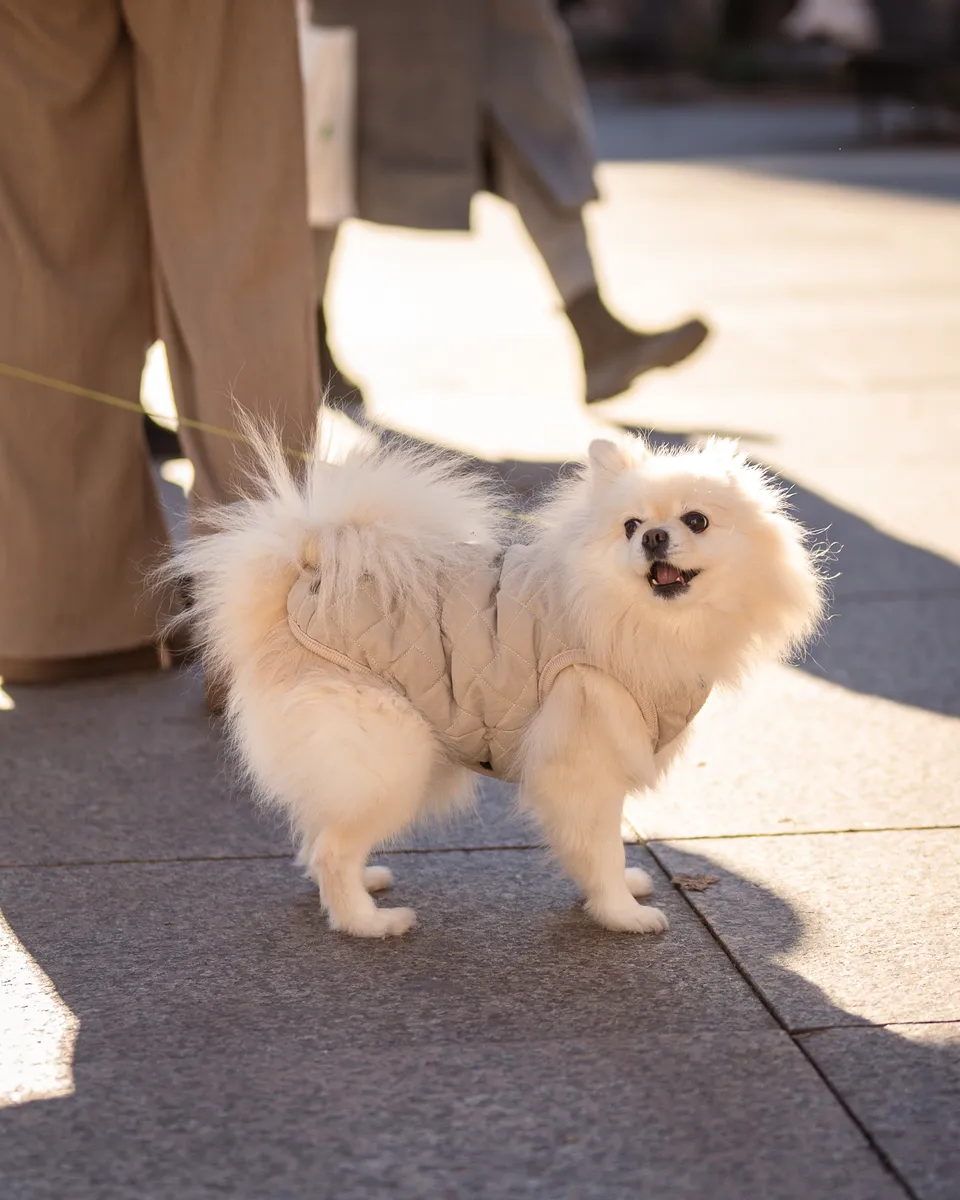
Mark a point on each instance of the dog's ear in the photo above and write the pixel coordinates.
(752, 480)
(608, 460)
(724, 451)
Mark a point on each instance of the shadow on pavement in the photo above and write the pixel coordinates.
(230, 1045)
(930, 176)
(809, 142)
(902, 1091)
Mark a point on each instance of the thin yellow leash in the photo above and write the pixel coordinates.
(73, 389)
(131, 406)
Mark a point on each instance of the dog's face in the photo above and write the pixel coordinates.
(699, 534)
(677, 525)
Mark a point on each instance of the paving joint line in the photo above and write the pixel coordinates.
(878, 1150)
(463, 849)
(788, 833)
(278, 857)
(803, 1030)
(132, 862)
(642, 840)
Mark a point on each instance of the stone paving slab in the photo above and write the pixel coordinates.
(492, 821)
(905, 649)
(837, 929)
(134, 769)
(732, 1116)
(126, 768)
(793, 753)
(869, 559)
(503, 952)
(903, 1084)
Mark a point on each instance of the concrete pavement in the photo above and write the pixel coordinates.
(176, 1020)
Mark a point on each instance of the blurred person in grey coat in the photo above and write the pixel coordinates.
(460, 96)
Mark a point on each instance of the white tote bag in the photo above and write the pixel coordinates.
(328, 65)
(850, 24)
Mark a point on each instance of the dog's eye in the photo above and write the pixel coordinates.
(696, 522)
(630, 527)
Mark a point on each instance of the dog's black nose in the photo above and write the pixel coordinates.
(655, 541)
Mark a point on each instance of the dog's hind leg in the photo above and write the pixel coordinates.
(367, 798)
(450, 787)
(338, 860)
(375, 879)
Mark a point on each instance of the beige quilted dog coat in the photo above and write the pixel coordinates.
(479, 667)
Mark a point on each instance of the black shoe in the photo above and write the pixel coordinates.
(163, 443)
(614, 355)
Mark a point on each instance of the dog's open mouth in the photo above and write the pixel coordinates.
(667, 581)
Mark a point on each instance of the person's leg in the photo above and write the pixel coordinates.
(324, 242)
(219, 107)
(338, 389)
(559, 235)
(80, 521)
(613, 353)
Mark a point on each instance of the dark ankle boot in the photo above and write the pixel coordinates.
(163, 443)
(614, 355)
(339, 391)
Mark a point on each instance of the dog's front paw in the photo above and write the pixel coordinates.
(638, 881)
(378, 879)
(629, 918)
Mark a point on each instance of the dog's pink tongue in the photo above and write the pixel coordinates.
(667, 574)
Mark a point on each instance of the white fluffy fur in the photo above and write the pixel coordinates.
(353, 763)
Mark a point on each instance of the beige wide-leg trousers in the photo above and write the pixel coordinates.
(151, 184)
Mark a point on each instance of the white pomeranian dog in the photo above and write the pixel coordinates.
(386, 633)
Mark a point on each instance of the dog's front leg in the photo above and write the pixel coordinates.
(584, 749)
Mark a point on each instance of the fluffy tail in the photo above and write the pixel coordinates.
(402, 519)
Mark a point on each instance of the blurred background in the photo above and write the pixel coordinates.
(909, 59)
(789, 172)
